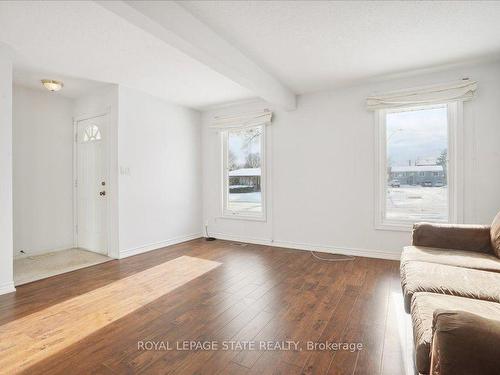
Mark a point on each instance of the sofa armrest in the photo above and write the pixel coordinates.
(464, 344)
(452, 236)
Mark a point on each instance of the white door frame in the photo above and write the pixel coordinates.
(106, 139)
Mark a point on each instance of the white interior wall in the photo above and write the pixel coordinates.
(322, 168)
(6, 217)
(160, 172)
(43, 171)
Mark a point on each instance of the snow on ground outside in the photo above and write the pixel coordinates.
(245, 201)
(407, 202)
(417, 203)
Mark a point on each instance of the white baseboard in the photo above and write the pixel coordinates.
(367, 253)
(7, 288)
(158, 245)
(232, 237)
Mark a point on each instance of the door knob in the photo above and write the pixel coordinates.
(102, 193)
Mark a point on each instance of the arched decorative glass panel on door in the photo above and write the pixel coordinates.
(91, 133)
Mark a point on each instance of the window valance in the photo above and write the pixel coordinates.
(242, 121)
(455, 91)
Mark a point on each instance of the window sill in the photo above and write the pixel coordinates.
(395, 227)
(402, 226)
(243, 217)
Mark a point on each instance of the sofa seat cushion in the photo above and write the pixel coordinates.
(423, 306)
(443, 279)
(459, 258)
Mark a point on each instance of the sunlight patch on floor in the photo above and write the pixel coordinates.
(35, 337)
(403, 322)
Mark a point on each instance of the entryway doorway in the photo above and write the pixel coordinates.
(91, 180)
(60, 175)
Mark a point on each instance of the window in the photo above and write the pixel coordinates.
(91, 133)
(244, 172)
(411, 190)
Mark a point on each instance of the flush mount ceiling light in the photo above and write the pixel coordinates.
(52, 84)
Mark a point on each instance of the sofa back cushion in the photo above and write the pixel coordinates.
(495, 235)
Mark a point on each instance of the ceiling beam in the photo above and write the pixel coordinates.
(173, 24)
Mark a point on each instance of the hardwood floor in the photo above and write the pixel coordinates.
(102, 319)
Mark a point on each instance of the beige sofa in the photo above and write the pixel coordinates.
(451, 285)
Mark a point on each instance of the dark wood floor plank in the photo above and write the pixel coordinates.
(255, 294)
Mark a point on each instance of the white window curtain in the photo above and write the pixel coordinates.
(246, 120)
(455, 91)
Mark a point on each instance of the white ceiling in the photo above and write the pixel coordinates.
(73, 87)
(84, 40)
(316, 45)
(304, 45)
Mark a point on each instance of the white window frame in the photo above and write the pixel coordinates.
(226, 212)
(455, 166)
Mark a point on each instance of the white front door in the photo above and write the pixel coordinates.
(91, 184)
